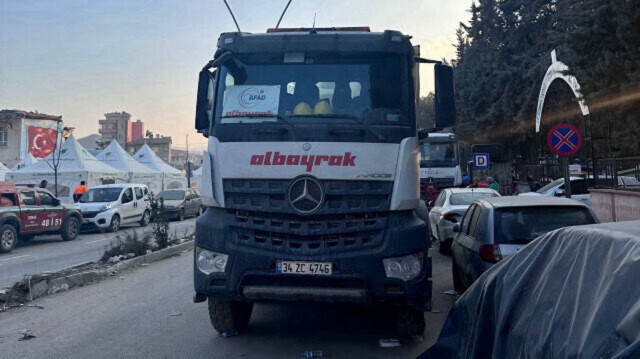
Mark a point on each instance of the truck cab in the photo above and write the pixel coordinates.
(311, 177)
(439, 162)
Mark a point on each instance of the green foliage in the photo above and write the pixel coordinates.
(503, 53)
(425, 111)
(160, 222)
(126, 243)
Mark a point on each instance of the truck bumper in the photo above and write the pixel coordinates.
(358, 275)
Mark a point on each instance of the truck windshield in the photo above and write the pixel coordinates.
(171, 195)
(101, 195)
(308, 89)
(438, 154)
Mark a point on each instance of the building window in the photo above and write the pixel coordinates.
(3, 137)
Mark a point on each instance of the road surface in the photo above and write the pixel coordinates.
(50, 253)
(150, 314)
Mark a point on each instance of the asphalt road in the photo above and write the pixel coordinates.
(150, 314)
(50, 253)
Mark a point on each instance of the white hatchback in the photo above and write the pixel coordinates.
(110, 206)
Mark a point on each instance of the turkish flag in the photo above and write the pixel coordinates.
(42, 141)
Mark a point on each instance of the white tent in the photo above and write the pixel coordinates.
(172, 177)
(75, 164)
(117, 157)
(26, 161)
(195, 177)
(3, 171)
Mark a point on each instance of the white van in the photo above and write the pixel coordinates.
(110, 206)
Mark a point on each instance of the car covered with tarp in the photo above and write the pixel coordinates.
(571, 293)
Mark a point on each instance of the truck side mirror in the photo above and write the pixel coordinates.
(56, 202)
(445, 104)
(204, 103)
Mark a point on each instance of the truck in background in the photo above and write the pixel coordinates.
(439, 164)
(311, 177)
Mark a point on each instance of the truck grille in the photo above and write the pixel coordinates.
(309, 236)
(340, 196)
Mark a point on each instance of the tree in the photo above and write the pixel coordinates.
(54, 162)
(425, 111)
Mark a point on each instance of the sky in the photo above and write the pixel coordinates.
(83, 58)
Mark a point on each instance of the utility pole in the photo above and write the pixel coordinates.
(188, 165)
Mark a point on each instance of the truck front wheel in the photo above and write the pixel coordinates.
(8, 238)
(229, 316)
(409, 322)
(70, 229)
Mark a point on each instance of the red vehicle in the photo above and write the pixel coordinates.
(26, 212)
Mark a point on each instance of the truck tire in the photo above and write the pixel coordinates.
(8, 238)
(146, 218)
(115, 223)
(457, 282)
(409, 322)
(70, 229)
(229, 315)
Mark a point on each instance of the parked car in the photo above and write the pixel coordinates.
(579, 190)
(180, 203)
(495, 228)
(26, 212)
(572, 293)
(110, 206)
(448, 210)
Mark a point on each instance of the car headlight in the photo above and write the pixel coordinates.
(405, 268)
(106, 207)
(210, 262)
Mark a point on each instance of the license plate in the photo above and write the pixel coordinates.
(314, 268)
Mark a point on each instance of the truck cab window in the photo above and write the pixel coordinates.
(28, 198)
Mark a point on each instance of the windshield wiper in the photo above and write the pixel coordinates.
(351, 117)
(277, 117)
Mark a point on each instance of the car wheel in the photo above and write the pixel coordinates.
(8, 238)
(445, 246)
(70, 229)
(181, 215)
(457, 282)
(146, 218)
(229, 315)
(115, 223)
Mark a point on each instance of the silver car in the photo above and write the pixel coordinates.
(495, 228)
(448, 209)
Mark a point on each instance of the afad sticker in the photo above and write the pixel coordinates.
(251, 100)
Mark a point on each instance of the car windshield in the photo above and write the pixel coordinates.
(521, 225)
(171, 195)
(101, 195)
(466, 198)
(550, 186)
(438, 154)
(307, 88)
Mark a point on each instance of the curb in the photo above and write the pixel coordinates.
(55, 284)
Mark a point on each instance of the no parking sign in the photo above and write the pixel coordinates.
(564, 140)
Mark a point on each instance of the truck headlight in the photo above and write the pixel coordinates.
(210, 262)
(405, 268)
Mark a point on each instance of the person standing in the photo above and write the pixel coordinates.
(43, 184)
(493, 184)
(79, 191)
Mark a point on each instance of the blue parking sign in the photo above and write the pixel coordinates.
(481, 161)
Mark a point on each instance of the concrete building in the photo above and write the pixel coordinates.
(116, 126)
(160, 145)
(137, 130)
(22, 132)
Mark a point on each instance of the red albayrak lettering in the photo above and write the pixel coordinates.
(278, 159)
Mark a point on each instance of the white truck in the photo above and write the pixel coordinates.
(311, 177)
(439, 162)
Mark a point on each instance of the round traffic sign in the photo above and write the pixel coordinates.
(564, 140)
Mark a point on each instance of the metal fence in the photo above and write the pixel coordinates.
(617, 173)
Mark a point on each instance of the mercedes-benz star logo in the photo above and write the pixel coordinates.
(306, 146)
(305, 195)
